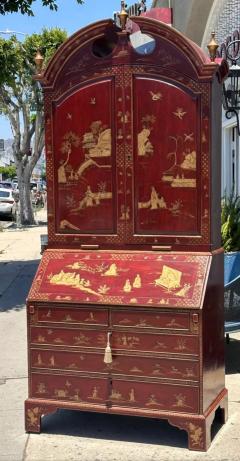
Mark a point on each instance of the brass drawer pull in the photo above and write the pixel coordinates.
(108, 350)
(161, 247)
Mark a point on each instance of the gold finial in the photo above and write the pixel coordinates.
(38, 59)
(212, 47)
(123, 16)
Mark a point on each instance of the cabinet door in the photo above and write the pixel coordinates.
(166, 198)
(85, 162)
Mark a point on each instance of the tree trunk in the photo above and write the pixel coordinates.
(26, 209)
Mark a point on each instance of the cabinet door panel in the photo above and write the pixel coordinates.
(85, 165)
(166, 160)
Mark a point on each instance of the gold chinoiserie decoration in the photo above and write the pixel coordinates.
(212, 47)
(108, 350)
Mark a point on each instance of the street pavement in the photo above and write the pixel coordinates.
(81, 436)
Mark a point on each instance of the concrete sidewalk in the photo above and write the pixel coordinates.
(75, 436)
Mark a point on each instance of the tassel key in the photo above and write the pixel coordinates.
(108, 351)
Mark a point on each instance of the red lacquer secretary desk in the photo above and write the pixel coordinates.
(125, 314)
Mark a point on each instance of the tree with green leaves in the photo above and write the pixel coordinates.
(25, 6)
(8, 171)
(21, 102)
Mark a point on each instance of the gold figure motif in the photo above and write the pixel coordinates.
(92, 199)
(145, 147)
(39, 360)
(181, 345)
(181, 401)
(137, 282)
(132, 395)
(127, 287)
(196, 434)
(93, 101)
(136, 370)
(152, 401)
(52, 361)
(76, 397)
(94, 394)
(179, 113)
(127, 341)
(115, 395)
(41, 339)
(155, 202)
(159, 345)
(68, 318)
(170, 278)
(141, 323)
(158, 369)
(41, 388)
(189, 373)
(81, 339)
(173, 323)
(61, 393)
(112, 271)
(62, 178)
(58, 341)
(156, 96)
(73, 280)
(90, 318)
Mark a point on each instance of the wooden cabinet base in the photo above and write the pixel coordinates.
(198, 427)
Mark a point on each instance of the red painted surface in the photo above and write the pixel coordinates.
(141, 278)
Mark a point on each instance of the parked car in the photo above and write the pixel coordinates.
(6, 185)
(7, 202)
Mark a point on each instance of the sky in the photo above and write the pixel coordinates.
(70, 16)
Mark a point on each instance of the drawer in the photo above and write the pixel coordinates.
(155, 396)
(142, 319)
(69, 388)
(68, 337)
(71, 361)
(73, 315)
(162, 368)
(159, 367)
(157, 343)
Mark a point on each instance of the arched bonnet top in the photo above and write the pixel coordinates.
(82, 41)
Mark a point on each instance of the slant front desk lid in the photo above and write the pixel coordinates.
(121, 278)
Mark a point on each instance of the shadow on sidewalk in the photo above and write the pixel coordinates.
(15, 281)
(232, 357)
(114, 427)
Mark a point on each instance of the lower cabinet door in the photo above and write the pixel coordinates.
(154, 396)
(69, 388)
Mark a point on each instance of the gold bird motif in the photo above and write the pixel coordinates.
(180, 113)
